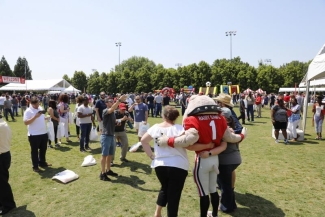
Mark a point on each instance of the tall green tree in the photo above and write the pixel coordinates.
(268, 78)
(293, 73)
(112, 81)
(157, 77)
(21, 67)
(93, 83)
(103, 82)
(79, 80)
(5, 68)
(66, 77)
(143, 78)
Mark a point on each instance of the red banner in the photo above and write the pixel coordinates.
(7, 79)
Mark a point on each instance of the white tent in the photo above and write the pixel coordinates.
(301, 89)
(71, 89)
(38, 85)
(316, 71)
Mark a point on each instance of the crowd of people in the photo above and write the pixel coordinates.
(113, 113)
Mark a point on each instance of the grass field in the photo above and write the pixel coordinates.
(273, 180)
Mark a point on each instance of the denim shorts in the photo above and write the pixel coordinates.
(108, 145)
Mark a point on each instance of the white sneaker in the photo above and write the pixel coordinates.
(209, 214)
(276, 141)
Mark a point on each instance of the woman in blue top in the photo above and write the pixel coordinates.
(294, 119)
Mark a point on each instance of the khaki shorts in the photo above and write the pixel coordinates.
(136, 125)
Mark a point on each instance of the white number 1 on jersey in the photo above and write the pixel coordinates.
(214, 131)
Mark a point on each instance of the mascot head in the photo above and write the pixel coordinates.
(198, 105)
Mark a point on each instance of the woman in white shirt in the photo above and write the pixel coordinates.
(79, 102)
(318, 117)
(85, 113)
(171, 164)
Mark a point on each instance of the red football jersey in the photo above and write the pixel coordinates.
(211, 128)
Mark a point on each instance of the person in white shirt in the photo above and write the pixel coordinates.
(7, 201)
(37, 135)
(2, 102)
(158, 101)
(170, 163)
(85, 115)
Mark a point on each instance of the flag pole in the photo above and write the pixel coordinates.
(25, 75)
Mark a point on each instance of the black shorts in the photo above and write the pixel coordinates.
(280, 125)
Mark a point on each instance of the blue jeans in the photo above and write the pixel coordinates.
(250, 111)
(151, 108)
(45, 106)
(10, 112)
(227, 203)
(15, 110)
(84, 138)
(130, 124)
(158, 109)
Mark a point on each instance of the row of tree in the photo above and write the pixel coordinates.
(20, 68)
(138, 74)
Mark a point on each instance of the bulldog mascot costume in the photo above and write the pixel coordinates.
(204, 125)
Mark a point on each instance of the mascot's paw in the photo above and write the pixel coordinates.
(162, 141)
(244, 132)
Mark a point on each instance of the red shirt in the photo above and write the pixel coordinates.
(286, 98)
(258, 100)
(211, 128)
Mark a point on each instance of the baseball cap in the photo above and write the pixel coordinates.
(122, 106)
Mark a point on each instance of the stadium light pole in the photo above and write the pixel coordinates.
(231, 33)
(119, 44)
(178, 64)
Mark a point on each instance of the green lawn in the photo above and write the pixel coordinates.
(273, 180)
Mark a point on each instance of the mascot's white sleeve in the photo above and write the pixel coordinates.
(190, 137)
(230, 137)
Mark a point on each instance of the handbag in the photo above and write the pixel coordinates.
(93, 134)
(61, 130)
(50, 130)
(143, 129)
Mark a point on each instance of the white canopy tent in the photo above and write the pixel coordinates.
(38, 85)
(316, 71)
(71, 89)
(300, 89)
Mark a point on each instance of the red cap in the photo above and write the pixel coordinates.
(122, 106)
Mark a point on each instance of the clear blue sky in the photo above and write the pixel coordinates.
(61, 36)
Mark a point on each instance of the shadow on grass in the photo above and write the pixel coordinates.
(63, 148)
(259, 122)
(133, 181)
(136, 167)
(20, 211)
(49, 172)
(256, 206)
(96, 151)
(309, 142)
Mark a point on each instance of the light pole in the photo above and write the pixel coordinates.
(25, 75)
(178, 64)
(231, 33)
(119, 44)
